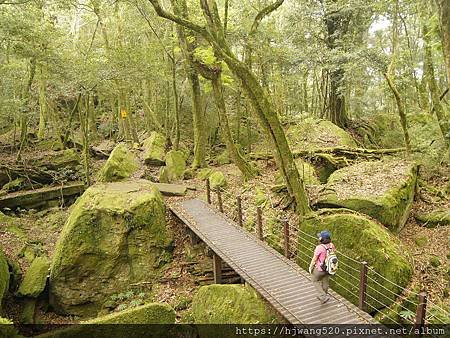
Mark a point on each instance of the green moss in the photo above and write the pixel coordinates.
(189, 174)
(63, 158)
(7, 329)
(115, 229)
(217, 180)
(154, 149)
(306, 171)
(260, 197)
(14, 185)
(204, 173)
(434, 218)
(223, 158)
(4, 277)
(383, 190)
(314, 133)
(421, 241)
(120, 165)
(27, 315)
(435, 262)
(230, 304)
(35, 278)
(153, 313)
(175, 165)
(362, 240)
(163, 175)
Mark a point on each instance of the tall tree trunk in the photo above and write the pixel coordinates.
(444, 16)
(262, 105)
(246, 170)
(443, 121)
(43, 107)
(389, 78)
(200, 135)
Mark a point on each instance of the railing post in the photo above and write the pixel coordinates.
(286, 237)
(208, 191)
(217, 269)
(363, 286)
(219, 198)
(259, 231)
(239, 210)
(421, 310)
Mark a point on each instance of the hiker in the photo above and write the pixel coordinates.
(323, 265)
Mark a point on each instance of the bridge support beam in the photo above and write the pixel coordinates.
(217, 269)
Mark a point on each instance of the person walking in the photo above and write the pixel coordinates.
(323, 265)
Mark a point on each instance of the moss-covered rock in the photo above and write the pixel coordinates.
(306, 171)
(116, 235)
(217, 180)
(260, 197)
(35, 278)
(4, 277)
(204, 173)
(154, 149)
(223, 158)
(314, 133)
(120, 165)
(152, 313)
(230, 304)
(383, 190)
(175, 165)
(163, 175)
(14, 185)
(361, 239)
(61, 159)
(434, 218)
(28, 311)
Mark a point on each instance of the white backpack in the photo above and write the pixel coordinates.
(330, 264)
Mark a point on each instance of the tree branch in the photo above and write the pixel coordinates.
(263, 13)
(179, 20)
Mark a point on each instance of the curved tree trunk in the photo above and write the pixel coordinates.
(236, 156)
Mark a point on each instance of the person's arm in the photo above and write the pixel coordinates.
(314, 260)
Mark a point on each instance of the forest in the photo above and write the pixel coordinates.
(150, 149)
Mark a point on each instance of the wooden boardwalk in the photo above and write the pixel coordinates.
(281, 282)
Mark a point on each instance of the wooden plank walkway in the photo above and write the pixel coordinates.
(281, 282)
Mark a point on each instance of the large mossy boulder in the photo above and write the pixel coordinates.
(115, 236)
(4, 277)
(154, 149)
(313, 134)
(383, 190)
(120, 165)
(35, 278)
(152, 313)
(230, 304)
(358, 238)
(175, 167)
